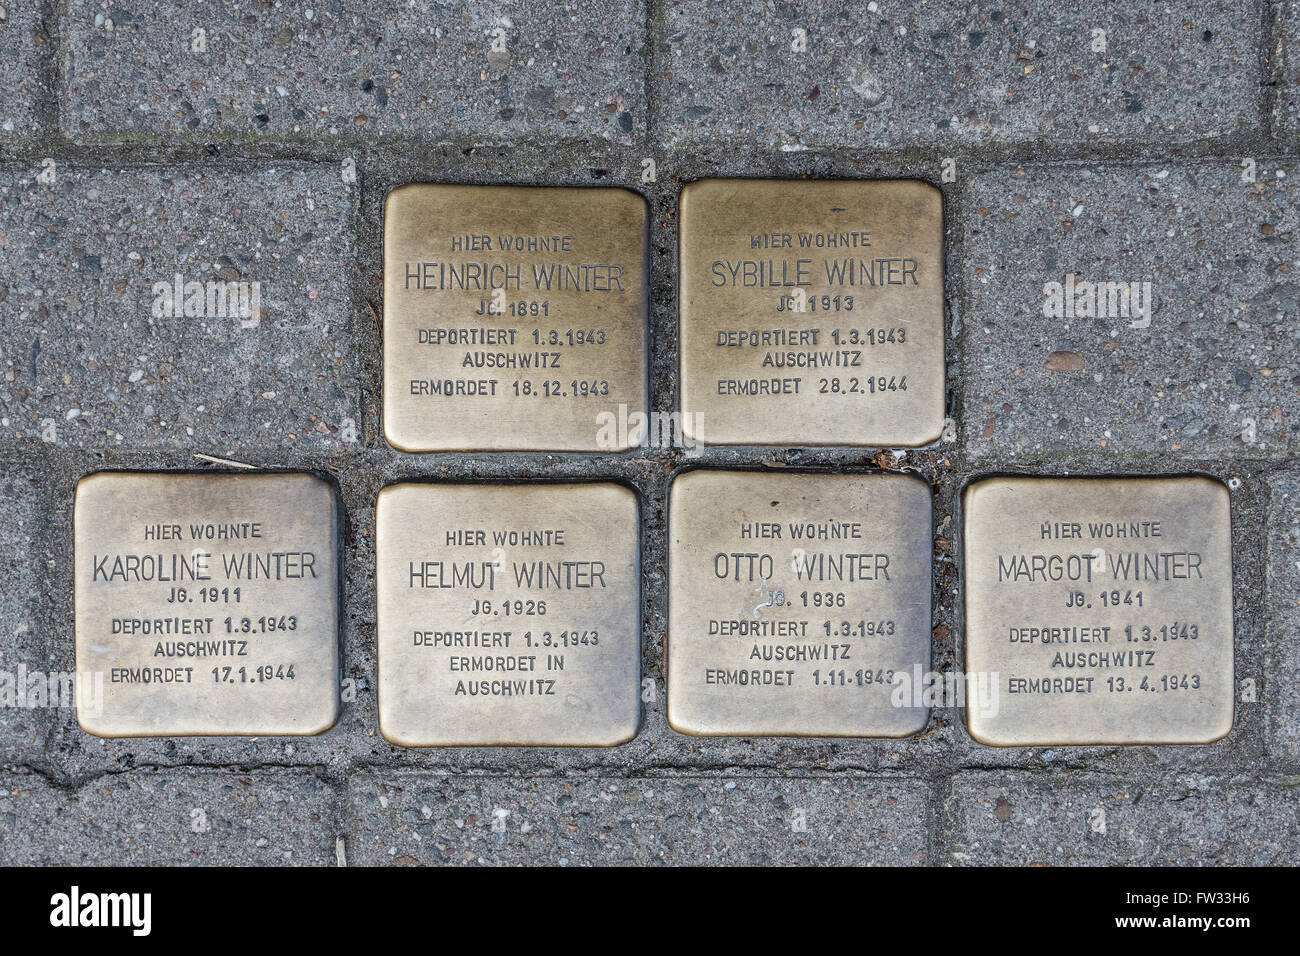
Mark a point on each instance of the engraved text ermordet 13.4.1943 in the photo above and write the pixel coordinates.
(1099, 609)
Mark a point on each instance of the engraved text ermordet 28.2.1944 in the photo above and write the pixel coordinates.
(812, 312)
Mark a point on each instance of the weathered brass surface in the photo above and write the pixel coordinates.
(508, 614)
(206, 604)
(796, 602)
(514, 317)
(1100, 609)
(812, 312)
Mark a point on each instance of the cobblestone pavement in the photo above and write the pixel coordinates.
(141, 139)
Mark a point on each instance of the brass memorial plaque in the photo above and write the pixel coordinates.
(798, 603)
(207, 604)
(508, 614)
(812, 312)
(1098, 611)
(514, 317)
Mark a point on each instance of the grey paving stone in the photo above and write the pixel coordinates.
(25, 700)
(175, 818)
(1282, 667)
(22, 90)
(1090, 819)
(1286, 66)
(1222, 350)
(356, 70)
(408, 818)
(92, 351)
(955, 72)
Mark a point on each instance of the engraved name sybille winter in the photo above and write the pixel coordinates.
(811, 312)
